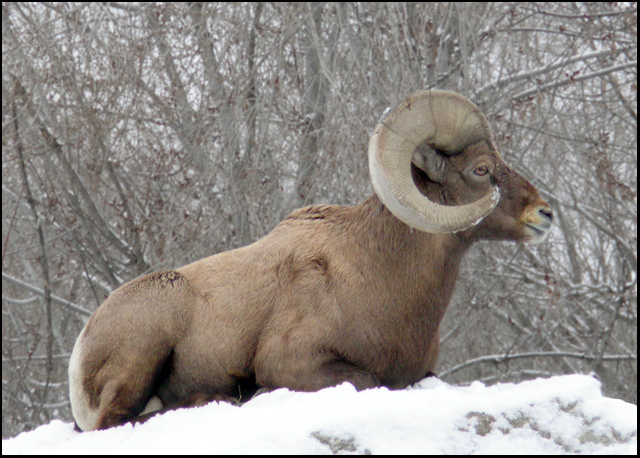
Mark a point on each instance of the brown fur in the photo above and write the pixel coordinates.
(332, 294)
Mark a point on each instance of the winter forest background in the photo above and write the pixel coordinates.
(138, 137)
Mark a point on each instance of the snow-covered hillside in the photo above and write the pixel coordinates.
(565, 414)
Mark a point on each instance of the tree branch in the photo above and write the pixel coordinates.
(497, 359)
(65, 303)
(557, 84)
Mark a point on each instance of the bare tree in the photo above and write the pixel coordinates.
(144, 136)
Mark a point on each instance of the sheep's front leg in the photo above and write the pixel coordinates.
(337, 372)
(314, 377)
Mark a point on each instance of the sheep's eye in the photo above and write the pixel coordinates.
(481, 171)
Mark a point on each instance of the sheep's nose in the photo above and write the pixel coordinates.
(546, 212)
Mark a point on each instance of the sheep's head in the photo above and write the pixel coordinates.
(434, 164)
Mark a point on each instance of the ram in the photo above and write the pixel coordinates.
(333, 294)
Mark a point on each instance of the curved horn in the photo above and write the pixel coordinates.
(444, 120)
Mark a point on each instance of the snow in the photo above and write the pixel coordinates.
(565, 414)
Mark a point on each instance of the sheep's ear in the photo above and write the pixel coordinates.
(430, 162)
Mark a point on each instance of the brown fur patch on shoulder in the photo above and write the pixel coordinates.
(151, 282)
(316, 212)
(166, 278)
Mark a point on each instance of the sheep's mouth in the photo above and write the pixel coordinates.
(536, 233)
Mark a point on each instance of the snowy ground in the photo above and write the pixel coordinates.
(565, 414)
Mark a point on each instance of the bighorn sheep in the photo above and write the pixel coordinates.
(332, 294)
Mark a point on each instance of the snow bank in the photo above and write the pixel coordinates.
(565, 414)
